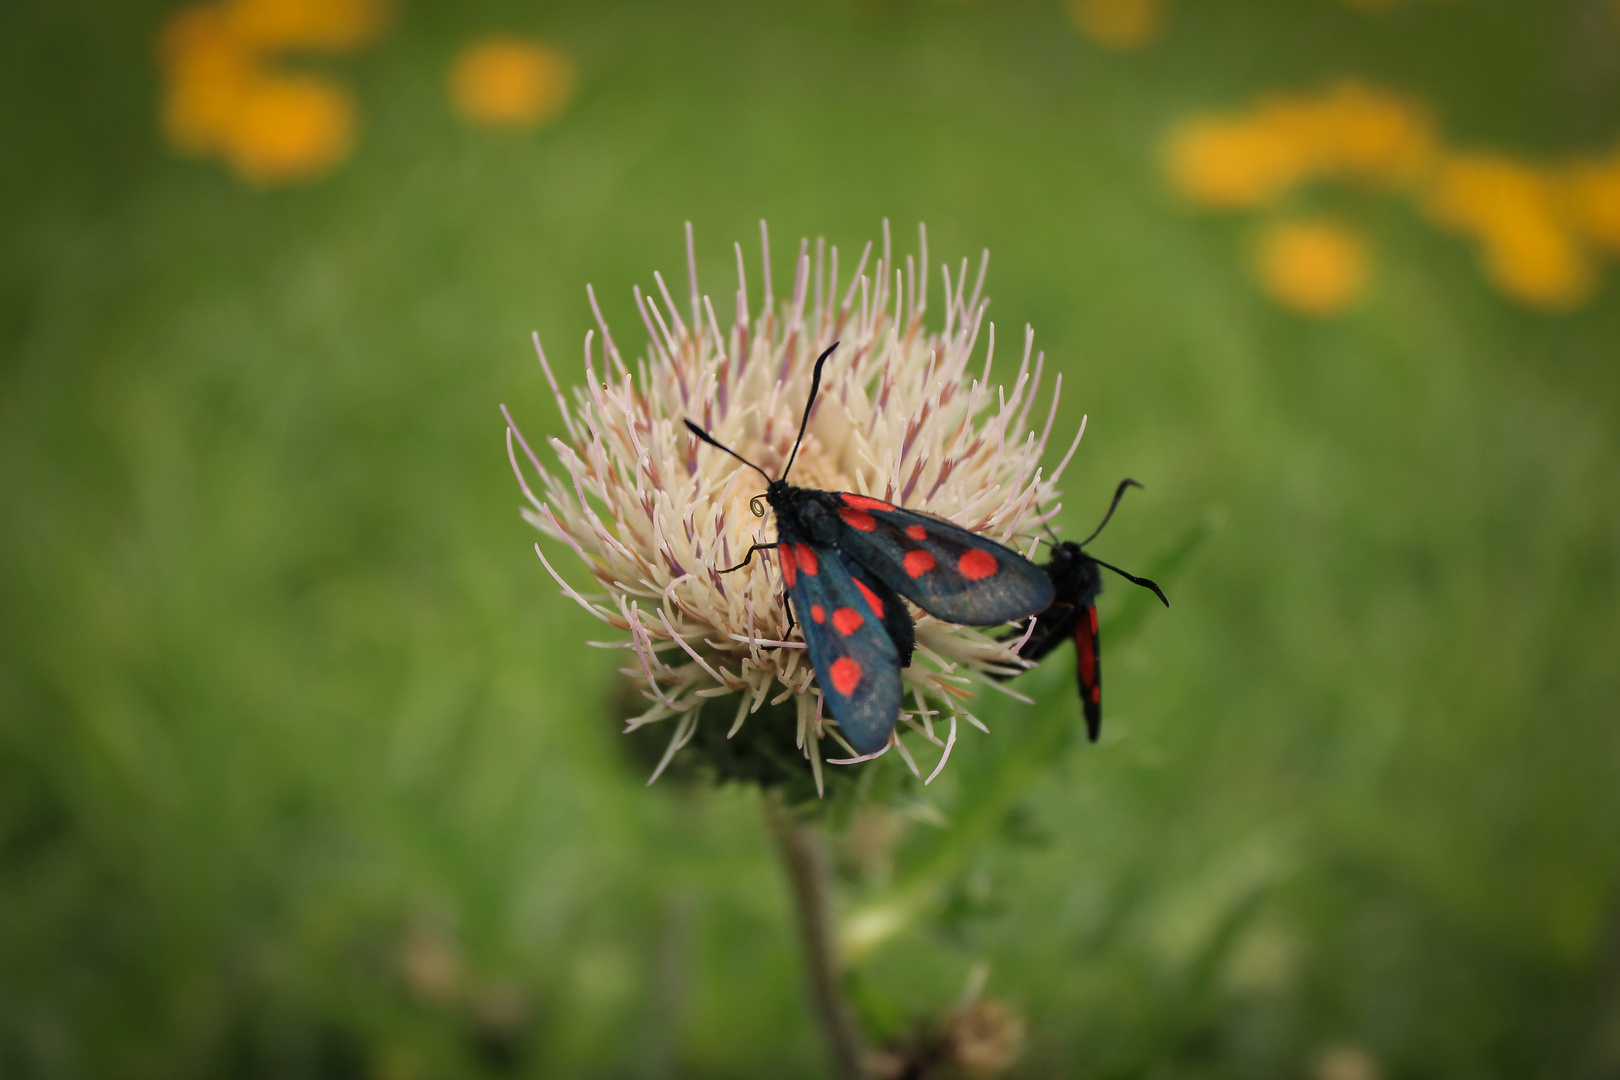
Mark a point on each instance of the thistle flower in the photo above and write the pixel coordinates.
(905, 414)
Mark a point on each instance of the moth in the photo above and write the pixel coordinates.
(1076, 580)
(848, 560)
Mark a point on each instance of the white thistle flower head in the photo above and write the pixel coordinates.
(905, 414)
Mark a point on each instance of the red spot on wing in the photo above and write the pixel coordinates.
(807, 559)
(818, 613)
(848, 620)
(1096, 694)
(858, 519)
(1093, 613)
(861, 502)
(846, 675)
(790, 569)
(872, 600)
(916, 532)
(917, 563)
(977, 565)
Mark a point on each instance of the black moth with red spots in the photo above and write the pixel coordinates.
(1076, 580)
(847, 561)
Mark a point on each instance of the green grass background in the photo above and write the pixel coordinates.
(284, 694)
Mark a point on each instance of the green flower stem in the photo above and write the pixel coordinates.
(804, 857)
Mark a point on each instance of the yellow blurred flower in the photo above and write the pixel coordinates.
(191, 31)
(331, 25)
(208, 72)
(223, 97)
(1121, 25)
(1594, 202)
(510, 82)
(1372, 136)
(1315, 267)
(1515, 212)
(1538, 228)
(290, 128)
(1350, 132)
(1233, 163)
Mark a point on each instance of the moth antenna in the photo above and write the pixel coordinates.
(1119, 493)
(815, 387)
(1047, 525)
(1134, 580)
(710, 439)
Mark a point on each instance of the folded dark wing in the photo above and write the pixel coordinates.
(888, 606)
(944, 569)
(855, 661)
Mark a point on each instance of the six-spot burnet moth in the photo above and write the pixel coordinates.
(848, 559)
(1076, 580)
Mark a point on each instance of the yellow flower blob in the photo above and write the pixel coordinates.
(288, 129)
(1316, 268)
(1540, 228)
(223, 96)
(1231, 163)
(1350, 132)
(510, 82)
(209, 70)
(1121, 25)
(1515, 213)
(1594, 202)
(1368, 135)
(330, 25)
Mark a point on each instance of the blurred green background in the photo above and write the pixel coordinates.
(305, 771)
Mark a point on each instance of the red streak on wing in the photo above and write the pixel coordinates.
(1088, 658)
(917, 563)
(872, 600)
(916, 532)
(846, 675)
(861, 502)
(977, 565)
(1093, 611)
(790, 569)
(858, 519)
(807, 558)
(818, 613)
(848, 620)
